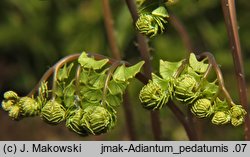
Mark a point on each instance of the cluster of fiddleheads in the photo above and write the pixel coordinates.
(185, 82)
(152, 16)
(84, 95)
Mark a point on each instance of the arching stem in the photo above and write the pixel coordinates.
(58, 65)
(181, 68)
(45, 77)
(215, 66)
(140, 76)
(109, 75)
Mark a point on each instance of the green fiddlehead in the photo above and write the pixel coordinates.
(152, 16)
(85, 99)
(186, 83)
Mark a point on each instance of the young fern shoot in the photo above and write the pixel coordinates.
(85, 99)
(186, 83)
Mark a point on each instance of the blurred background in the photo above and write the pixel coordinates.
(35, 34)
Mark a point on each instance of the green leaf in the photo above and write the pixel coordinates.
(131, 71)
(197, 66)
(93, 96)
(58, 89)
(64, 72)
(83, 77)
(220, 105)
(59, 100)
(209, 89)
(97, 80)
(168, 69)
(191, 72)
(161, 11)
(119, 74)
(69, 90)
(123, 73)
(69, 101)
(116, 87)
(83, 89)
(161, 82)
(113, 100)
(85, 104)
(91, 63)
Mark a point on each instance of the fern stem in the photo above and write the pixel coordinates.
(228, 7)
(218, 72)
(144, 51)
(108, 21)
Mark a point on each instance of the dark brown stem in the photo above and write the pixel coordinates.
(228, 7)
(108, 20)
(144, 51)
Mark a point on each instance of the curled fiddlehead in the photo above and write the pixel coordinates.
(186, 83)
(86, 98)
(53, 112)
(152, 16)
(153, 97)
(202, 108)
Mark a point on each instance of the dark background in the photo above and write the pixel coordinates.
(34, 34)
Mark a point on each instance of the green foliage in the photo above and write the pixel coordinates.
(202, 108)
(91, 63)
(123, 74)
(221, 118)
(53, 112)
(97, 120)
(152, 23)
(73, 122)
(168, 69)
(237, 114)
(185, 89)
(30, 107)
(34, 34)
(64, 72)
(19, 107)
(153, 97)
(186, 82)
(87, 100)
(152, 17)
(198, 67)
